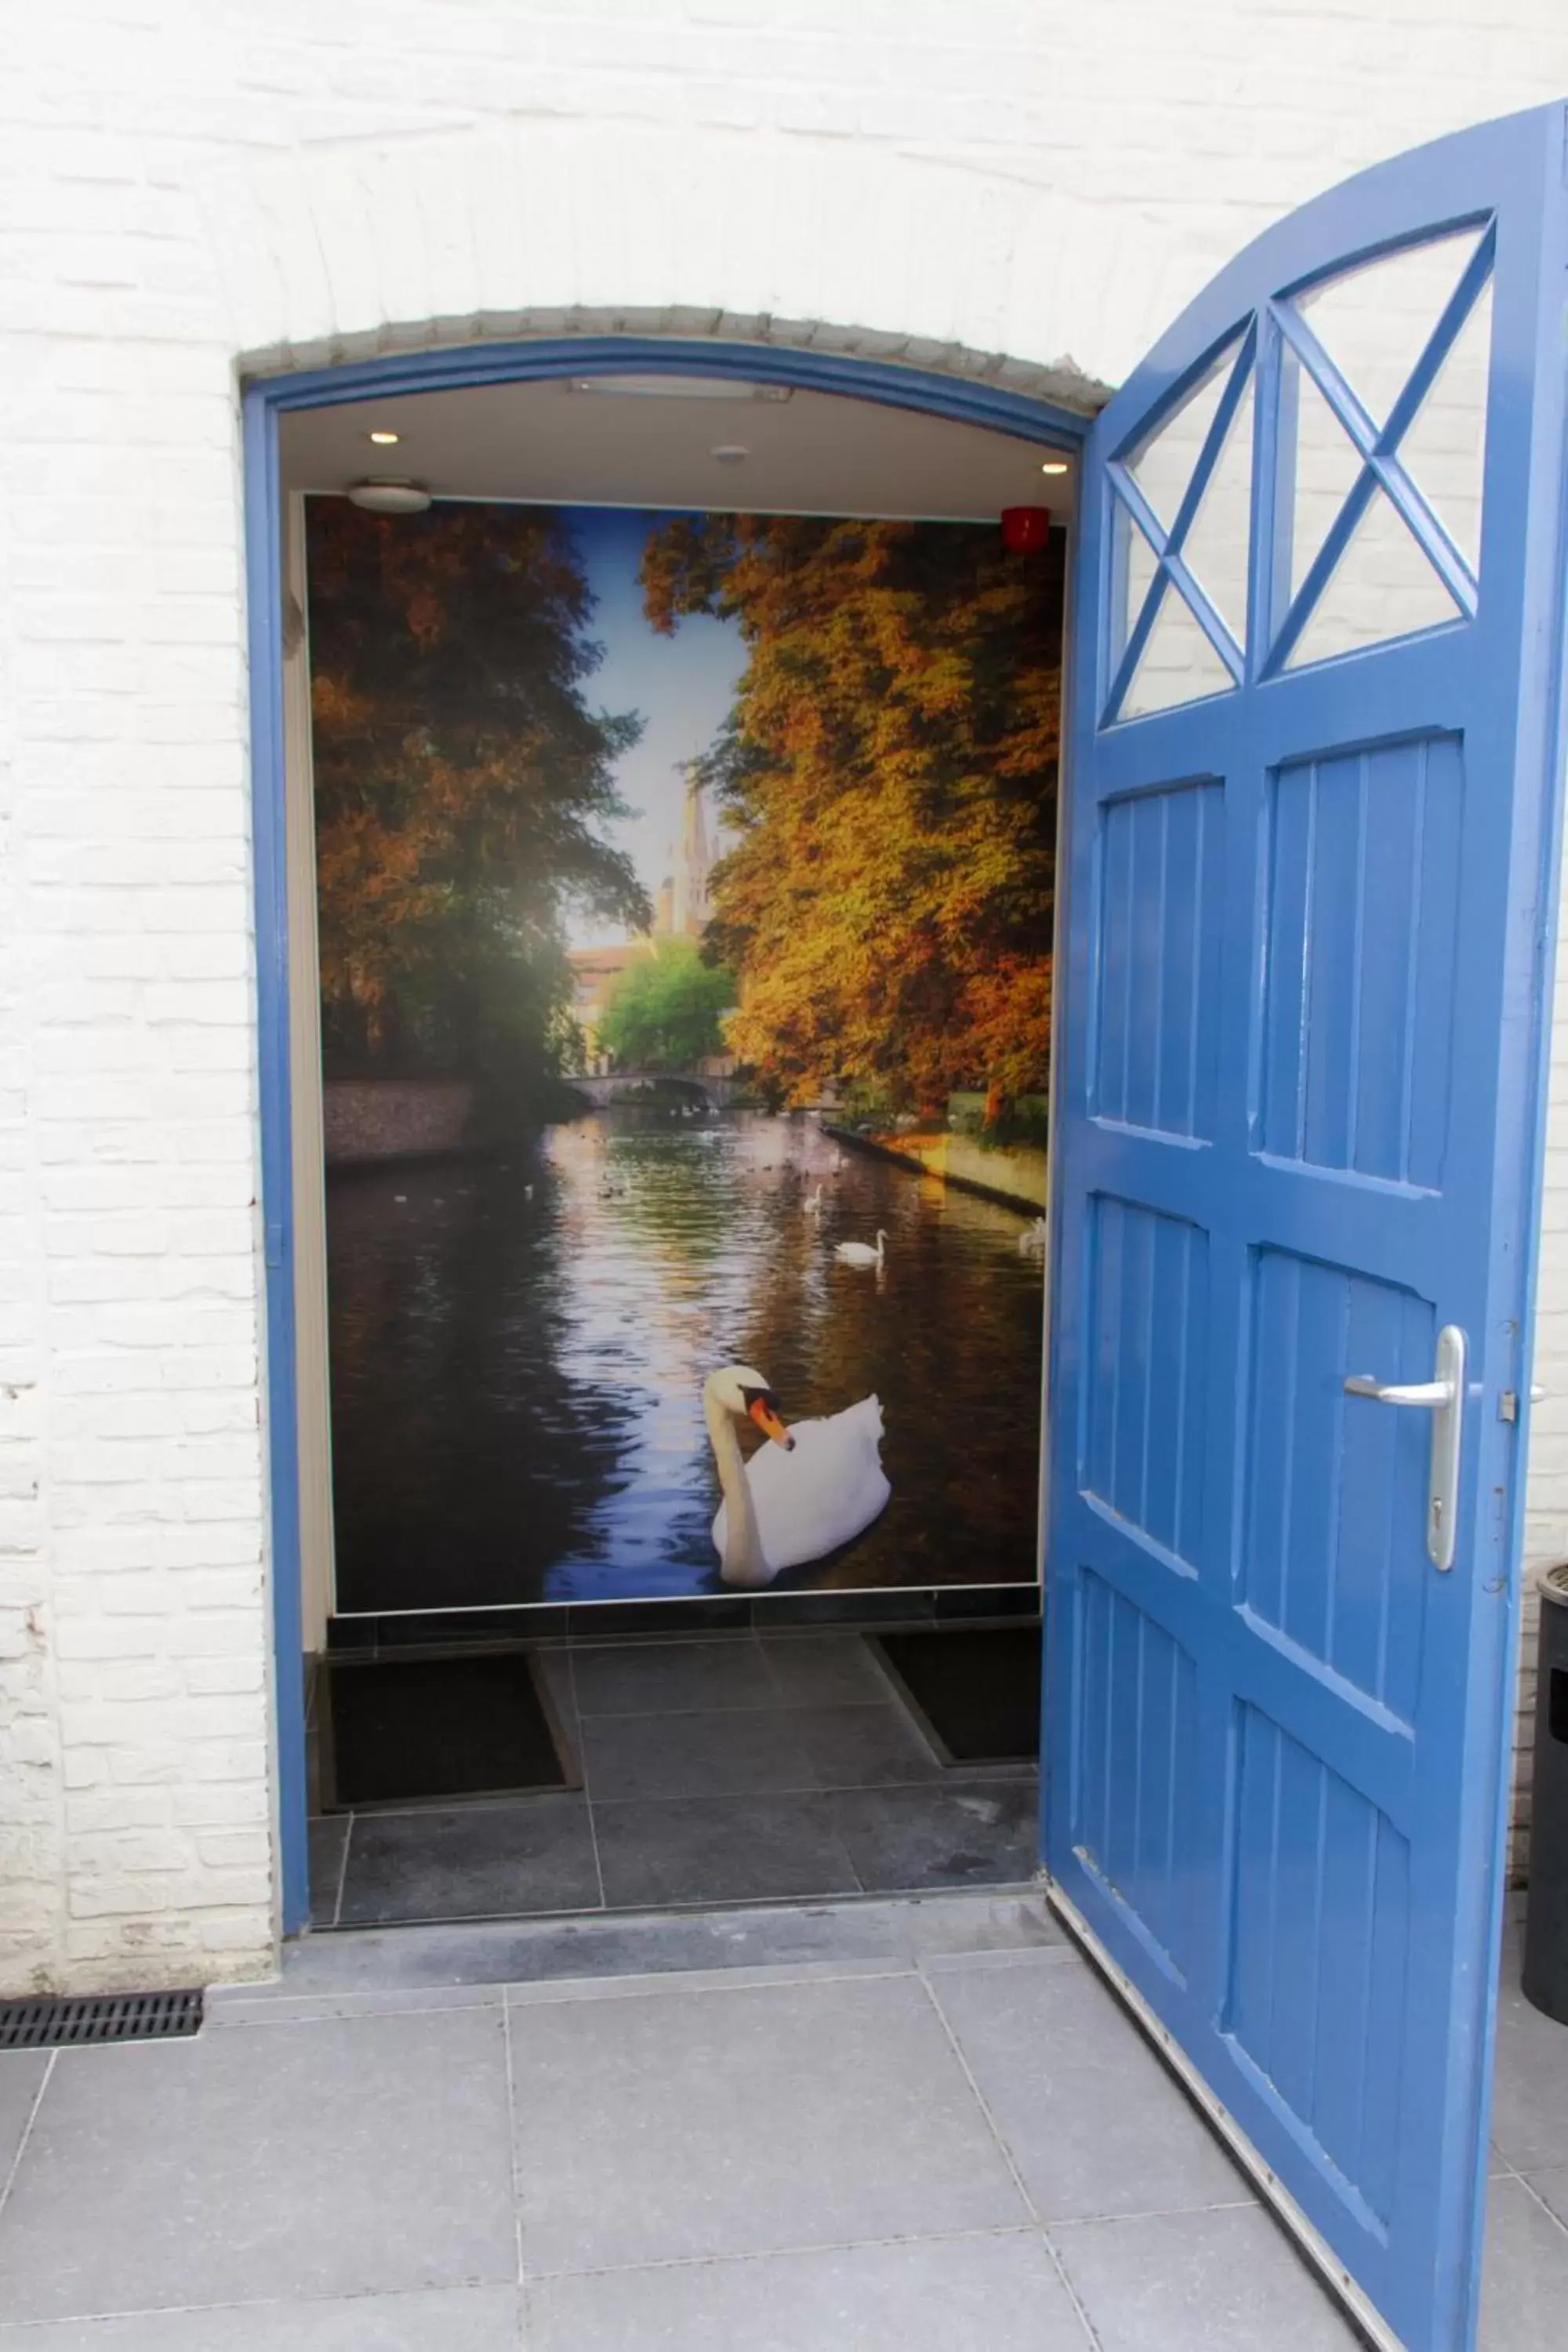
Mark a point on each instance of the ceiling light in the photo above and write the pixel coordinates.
(384, 440)
(730, 453)
(384, 497)
(1054, 466)
(680, 387)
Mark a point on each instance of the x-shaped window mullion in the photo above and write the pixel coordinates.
(1171, 566)
(1381, 467)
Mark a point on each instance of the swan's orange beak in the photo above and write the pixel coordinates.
(764, 1412)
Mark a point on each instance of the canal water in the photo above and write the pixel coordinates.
(519, 1348)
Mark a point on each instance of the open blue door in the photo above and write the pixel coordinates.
(1310, 902)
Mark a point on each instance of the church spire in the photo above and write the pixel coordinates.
(694, 863)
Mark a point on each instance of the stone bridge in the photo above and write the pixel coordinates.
(627, 1085)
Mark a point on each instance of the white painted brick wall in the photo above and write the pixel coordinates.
(186, 182)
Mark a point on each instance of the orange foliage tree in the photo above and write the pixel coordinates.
(462, 784)
(887, 776)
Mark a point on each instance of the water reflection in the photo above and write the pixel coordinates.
(519, 1349)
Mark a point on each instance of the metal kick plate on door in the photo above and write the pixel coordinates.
(1443, 1396)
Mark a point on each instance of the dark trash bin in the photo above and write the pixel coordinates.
(1545, 1980)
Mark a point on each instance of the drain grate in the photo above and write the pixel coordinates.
(100, 2017)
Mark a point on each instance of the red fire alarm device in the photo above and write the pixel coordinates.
(1025, 529)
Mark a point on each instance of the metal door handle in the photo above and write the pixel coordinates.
(1444, 1398)
(1431, 1394)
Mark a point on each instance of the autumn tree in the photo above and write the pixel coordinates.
(462, 784)
(667, 1010)
(888, 780)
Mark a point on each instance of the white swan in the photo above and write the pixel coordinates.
(813, 1489)
(813, 1202)
(861, 1252)
(1032, 1240)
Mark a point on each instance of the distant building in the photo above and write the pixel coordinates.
(683, 907)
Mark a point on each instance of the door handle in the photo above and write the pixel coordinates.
(1443, 1397)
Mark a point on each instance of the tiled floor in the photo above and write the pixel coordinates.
(941, 2134)
(738, 1769)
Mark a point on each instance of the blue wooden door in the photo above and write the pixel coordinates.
(1311, 894)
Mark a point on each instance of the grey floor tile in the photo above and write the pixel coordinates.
(22, 2073)
(679, 2126)
(470, 1861)
(309, 2161)
(824, 1670)
(749, 1753)
(721, 1850)
(1095, 2124)
(865, 1746)
(1552, 2188)
(1524, 2284)
(328, 1837)
(1529, 2099)
(948, 2294)
(950, 1832)
(673, 1678)
(458, 2319)
(1200, 2282)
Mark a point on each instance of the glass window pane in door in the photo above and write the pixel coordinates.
(1383, 586)
(1217, 545)
(1443, 449)
(1162, 465)
(1178, 664)
(1375, 320)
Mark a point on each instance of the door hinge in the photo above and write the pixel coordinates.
(273, 1244)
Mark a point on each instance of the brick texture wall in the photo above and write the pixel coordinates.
(188, 183)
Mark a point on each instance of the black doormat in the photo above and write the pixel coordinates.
(408, 1731)
(976, 1692)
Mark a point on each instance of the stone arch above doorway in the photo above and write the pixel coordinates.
(339, 253)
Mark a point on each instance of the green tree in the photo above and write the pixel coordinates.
(463, 784)
(887, 778)
(667, 1010)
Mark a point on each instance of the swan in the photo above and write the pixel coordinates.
(861, 1252)
(811, 1490)
(813, 1202)
(1032, 1240)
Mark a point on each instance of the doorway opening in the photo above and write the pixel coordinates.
(516, 1300)
(1303, 1824)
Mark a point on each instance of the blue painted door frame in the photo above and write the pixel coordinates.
(266, 401)
(1313, 845)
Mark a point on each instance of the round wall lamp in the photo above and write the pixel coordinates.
(384, 496)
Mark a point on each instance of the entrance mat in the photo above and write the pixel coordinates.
(410, 1731)
(976, 1692)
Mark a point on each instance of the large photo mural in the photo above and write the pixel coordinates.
(685, 891)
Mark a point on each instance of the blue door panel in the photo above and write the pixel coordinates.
(1309, 892)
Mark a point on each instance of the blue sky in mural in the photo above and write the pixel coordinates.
(683, 686)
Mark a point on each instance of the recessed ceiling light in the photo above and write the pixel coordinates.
(730, 453)
(1054, 466)
(384, 440)
(680, 387)
(389, 498)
